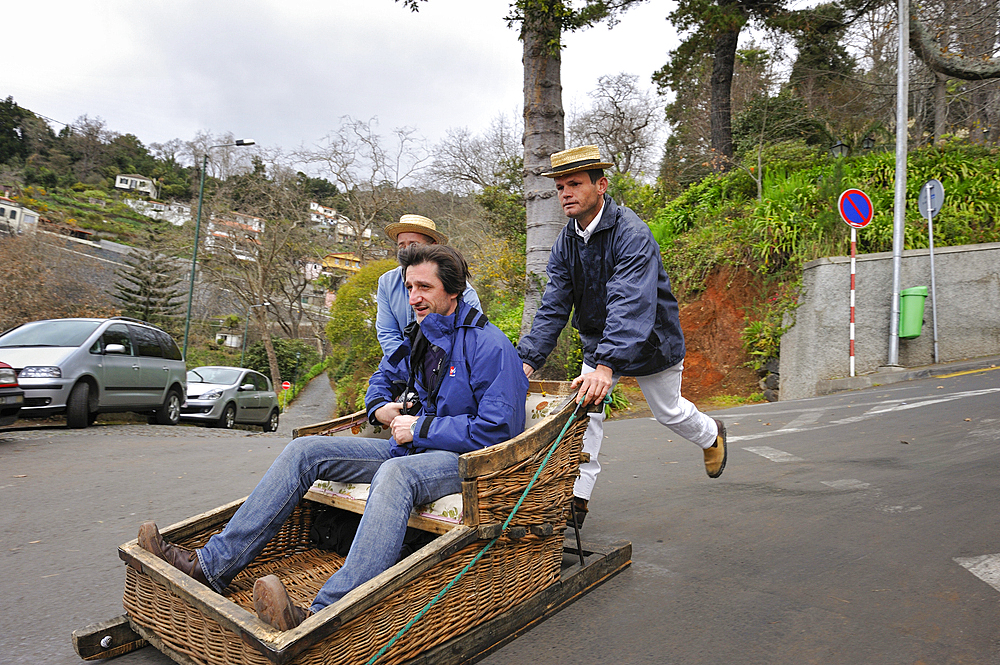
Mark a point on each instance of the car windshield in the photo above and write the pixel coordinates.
(64, 332)
(221, 375)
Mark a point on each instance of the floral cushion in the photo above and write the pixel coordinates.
(446, 509)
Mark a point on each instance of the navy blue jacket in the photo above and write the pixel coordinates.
(620, 296)
(480, 400)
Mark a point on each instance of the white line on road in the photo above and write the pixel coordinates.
(774, 454)
(846, 484)
(887, 406)
(985, 567)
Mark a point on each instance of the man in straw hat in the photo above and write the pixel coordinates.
(394, 311)
(606, 267)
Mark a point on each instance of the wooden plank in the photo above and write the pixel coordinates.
(479, 642)
(550, 387)
(355, 506)
(107, 639)
(337, 424)
(470, 502)
(518, 449)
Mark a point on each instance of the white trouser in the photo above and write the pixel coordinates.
(663, 394)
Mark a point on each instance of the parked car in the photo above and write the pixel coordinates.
(83, 367)
(224, 396)
(11, 396)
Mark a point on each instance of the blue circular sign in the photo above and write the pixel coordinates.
(856, 208)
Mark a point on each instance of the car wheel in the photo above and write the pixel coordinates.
(272, 422)
(228, 417)
(78, 406)
(170, 412)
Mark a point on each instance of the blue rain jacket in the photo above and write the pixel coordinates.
(480, 401)
(620, 296)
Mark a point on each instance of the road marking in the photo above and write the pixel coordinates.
(985, 567)
(895, 510)
(846, 484)
(802, 422)
(774, 454)
(968, 371)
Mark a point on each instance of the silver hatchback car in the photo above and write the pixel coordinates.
(224, 396)
(83, 367)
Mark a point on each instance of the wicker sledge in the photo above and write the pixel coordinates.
(523, 576)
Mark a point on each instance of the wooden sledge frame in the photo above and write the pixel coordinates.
(282, 647)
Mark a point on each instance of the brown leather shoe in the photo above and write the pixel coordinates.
(181, 558)
(274, 606)
(717, 453)
(580, 505)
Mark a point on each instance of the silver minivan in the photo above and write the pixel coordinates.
(83, 367)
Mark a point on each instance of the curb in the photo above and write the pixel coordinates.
(886, 375)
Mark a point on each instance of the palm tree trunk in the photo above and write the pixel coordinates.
(543, 135)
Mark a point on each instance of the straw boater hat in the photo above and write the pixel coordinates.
(416, 224)
(584, 158)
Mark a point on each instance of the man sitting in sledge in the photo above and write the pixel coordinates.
(471, 393)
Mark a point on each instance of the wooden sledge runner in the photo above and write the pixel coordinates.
(525, 576)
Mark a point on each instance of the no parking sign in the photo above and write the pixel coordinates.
(855, 207)
(857, 210)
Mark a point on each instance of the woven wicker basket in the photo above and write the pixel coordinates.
(193, 624)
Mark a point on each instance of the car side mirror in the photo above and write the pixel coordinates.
(247, 386)
(114, 348)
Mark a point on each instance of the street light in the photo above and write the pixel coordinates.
(868, 142)
(839, 149)
(246, 329)
(197, 231)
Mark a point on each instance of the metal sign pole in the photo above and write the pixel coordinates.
(899, 202)
(930, 236)
(854, 255)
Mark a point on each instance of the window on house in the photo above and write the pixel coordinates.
(13, 214)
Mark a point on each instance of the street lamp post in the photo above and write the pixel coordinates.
(197, 232)
(246, 329)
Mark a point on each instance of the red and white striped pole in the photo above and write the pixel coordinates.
(854, 254)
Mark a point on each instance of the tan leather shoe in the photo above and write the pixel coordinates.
(581, 513)
(717, 453)
(274, 606)
(181, 558)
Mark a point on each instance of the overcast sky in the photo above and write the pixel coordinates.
(283, 72)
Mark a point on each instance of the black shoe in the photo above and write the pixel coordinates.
(580, 507)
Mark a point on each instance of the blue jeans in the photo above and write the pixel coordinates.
(397, 485)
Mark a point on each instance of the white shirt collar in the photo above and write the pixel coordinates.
(589, 231)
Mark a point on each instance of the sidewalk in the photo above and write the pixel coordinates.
(887, 375)
(314, 404)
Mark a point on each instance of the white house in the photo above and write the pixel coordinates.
(332, 220)
(136, 183)
(175, 213)
(235, 233)
(16, 219)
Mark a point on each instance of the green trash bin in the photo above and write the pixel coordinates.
(911, 311)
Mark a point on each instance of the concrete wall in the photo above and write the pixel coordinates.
(816, 348)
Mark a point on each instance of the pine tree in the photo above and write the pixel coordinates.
(148, 287)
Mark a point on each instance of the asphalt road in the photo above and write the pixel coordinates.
(856, 528)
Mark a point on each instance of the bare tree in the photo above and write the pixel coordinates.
(370, 169)
(465, 162)
(624, 121)
(259, 239)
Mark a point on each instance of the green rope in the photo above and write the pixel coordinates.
(435, 599)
